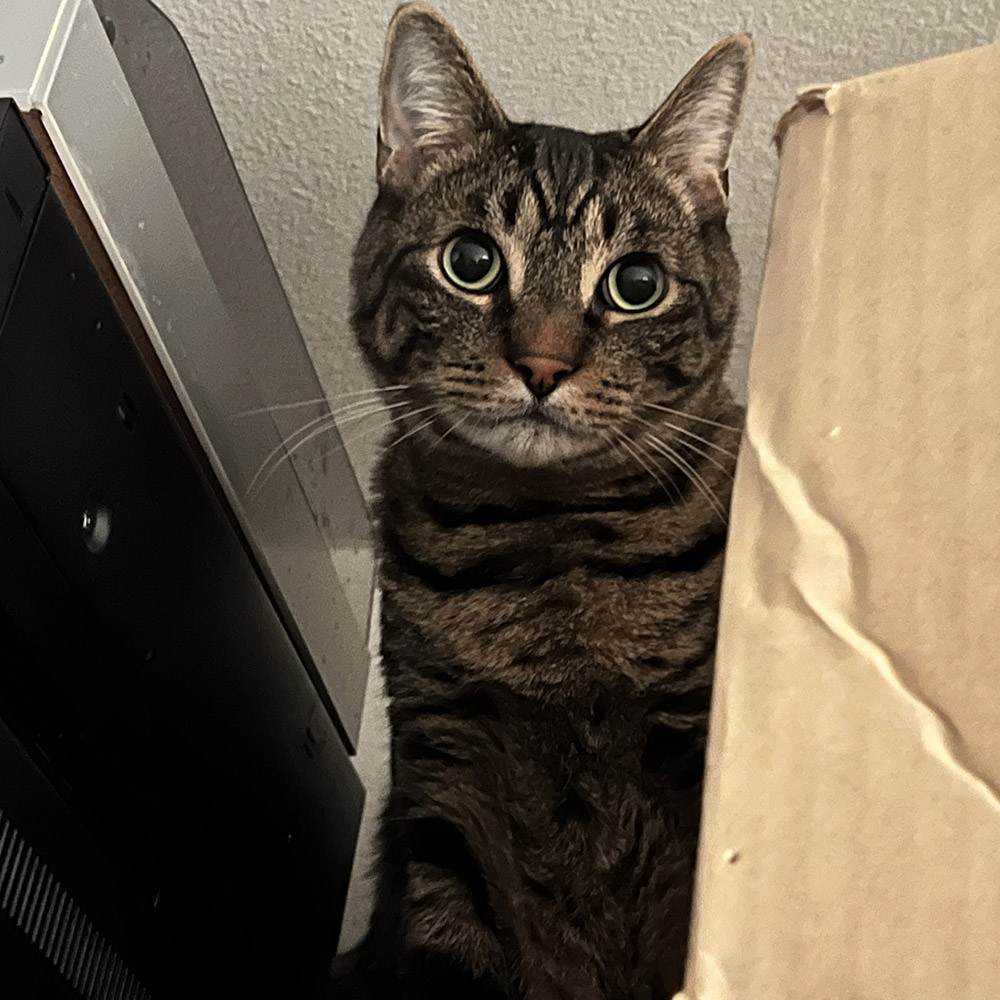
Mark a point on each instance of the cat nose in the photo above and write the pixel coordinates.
(541, 375)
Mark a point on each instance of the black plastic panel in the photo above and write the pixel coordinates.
(143, 667)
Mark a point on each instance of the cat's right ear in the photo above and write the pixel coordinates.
(432, 99)
(692, 131)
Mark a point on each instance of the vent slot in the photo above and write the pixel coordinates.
(34, 899)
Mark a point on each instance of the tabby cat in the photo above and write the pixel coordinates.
(556, 311)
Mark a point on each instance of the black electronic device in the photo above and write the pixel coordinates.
(178, 812)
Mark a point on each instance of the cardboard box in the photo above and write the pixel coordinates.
(851, 843)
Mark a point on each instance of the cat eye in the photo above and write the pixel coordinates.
(634, 283)
(472, 262)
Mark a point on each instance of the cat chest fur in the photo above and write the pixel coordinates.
(551, 600)
(549, 673)
(548, 839)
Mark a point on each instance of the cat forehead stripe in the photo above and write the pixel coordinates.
(580, 199)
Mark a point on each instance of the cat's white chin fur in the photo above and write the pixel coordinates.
(528, 444)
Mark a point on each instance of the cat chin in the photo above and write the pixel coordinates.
(529, 445)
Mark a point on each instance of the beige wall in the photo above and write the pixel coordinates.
(293, 83)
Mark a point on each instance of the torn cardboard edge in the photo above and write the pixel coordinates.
(807, 101)
(827, 97)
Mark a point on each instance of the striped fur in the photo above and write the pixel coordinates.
(550, 571)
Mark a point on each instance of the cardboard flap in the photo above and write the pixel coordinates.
(852, 828)
(807, 100)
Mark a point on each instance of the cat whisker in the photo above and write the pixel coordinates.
(675, 490)
(458, 423)
(418, 428)
(634, 453)
(480, 418)
(691, 447)
(329, 415)
(691, 416)
(686, 467)
(277, 407)
(367, 431)
(284, 450)
(690, 434)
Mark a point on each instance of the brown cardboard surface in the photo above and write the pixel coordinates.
(851, 842)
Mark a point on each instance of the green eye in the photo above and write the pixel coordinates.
(634, 284)
(472, 262)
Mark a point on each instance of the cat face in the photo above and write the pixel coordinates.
(542, 291)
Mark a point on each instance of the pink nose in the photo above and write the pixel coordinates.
(541, 375)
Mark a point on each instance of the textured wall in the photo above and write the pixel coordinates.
(293, 84)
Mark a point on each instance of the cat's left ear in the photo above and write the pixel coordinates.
(691, 133)
(432, 99)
